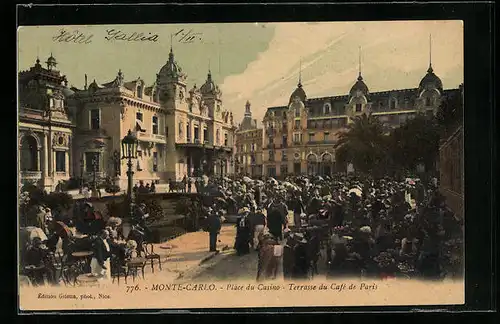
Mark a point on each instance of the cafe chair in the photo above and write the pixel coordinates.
(134, 264)
(149, 255)
(118, 269)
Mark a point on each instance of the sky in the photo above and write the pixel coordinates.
(259, 62)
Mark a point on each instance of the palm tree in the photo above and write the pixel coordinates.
(364, 144)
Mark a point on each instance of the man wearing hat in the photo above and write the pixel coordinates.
(213, 228)
(276, 218)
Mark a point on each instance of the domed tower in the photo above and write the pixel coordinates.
(297, 102)
(51, 63)
(358, 96)
(430, 89)
(211, 96)
(171, 83)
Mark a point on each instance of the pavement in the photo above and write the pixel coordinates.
(184, 254)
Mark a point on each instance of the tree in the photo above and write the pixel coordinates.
(415, 142)
(364, 144)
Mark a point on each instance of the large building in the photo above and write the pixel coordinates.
(249, 142)
(299, 137)
(45, 126)
(180, 131)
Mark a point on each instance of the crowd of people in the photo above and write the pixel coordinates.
(359, 227)
(348, 225)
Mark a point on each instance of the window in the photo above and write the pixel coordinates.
(180, 130)
(327, 108)
(358, 107)
(138, 116)
(271, 155)
(428, 101)
(284, 157)
(155, 125)
(297, 124)
(139, 91)
(205, 135)
(95, 121)
(311, 137)
(188, 132)
(393, 104)
(325, 136)
(155, 161)
(60, 161)
(283, 169)
(296, 138)
(271, 171)
(197, 133)
(90, 159)
(166, 131)
(226, 140)
(285, 141)
(297, 112)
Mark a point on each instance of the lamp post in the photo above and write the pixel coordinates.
(129, 149)
(81, 174)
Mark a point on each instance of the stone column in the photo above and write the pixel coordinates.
(45, 148)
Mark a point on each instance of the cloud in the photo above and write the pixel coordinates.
(394, 55)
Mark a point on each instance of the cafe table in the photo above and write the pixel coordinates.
(88, 279)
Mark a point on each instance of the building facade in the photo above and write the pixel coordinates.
(299, 138)
(45, 126)
(249, 141)
(180, 132)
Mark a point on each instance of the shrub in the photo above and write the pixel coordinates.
(58, 200)
(112, 188)
(117, 208)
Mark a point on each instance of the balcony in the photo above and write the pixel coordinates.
(325, 142)
(155, 138)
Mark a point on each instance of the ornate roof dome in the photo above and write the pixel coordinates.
(431, 80)
(360, 85)
(299, 92)
(67, 92)
(172, 69)
(51, 62)
(209, 87)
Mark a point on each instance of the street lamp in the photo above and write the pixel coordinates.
(81, 174)
(129, 151)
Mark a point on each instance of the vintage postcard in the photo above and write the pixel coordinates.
(233, 165)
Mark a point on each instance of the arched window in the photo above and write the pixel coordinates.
(358, 107)
(29, 154)
(327, 109)
(297, 112)
(428, 101)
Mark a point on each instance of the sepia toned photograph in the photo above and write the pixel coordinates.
(224, 165)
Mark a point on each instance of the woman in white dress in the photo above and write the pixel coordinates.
(100, 263)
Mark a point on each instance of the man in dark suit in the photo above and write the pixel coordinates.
(214, 227)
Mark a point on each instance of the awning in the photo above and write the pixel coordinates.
(139, 125)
